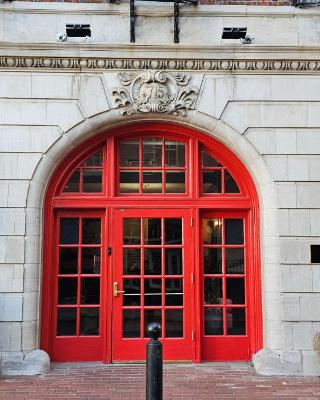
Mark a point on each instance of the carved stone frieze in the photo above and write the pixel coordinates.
(154, 91)
(100, 64)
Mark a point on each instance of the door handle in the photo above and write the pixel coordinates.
(115, 290)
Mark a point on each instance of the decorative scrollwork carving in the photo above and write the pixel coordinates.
(154, 91)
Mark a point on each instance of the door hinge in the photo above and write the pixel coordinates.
(109, 251)
(191, 222)
(192, 278)
(193, 335)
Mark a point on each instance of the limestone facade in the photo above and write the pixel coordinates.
(261, 100)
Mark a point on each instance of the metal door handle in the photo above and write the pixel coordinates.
(115, 289)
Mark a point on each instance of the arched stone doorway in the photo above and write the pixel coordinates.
(168, 215)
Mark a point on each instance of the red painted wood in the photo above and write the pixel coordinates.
(109, 202)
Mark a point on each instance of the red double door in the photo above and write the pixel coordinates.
(118, 270)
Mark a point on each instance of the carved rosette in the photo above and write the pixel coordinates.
(154, 91)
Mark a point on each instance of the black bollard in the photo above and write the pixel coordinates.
(154, 363)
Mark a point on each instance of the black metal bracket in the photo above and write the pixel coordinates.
(176, 13)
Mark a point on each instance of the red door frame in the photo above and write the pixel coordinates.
(109, 199)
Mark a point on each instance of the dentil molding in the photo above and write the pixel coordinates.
(101, 64)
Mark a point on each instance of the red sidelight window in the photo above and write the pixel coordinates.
(151, 222)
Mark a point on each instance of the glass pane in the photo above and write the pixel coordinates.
(235, 291)
(131, 231)
(213, 291)
(151, 316)
(129, 153)
(175, 182)
(69, 230)
(173, 229)
(152, 152)
(211, 181)
(131, 323)
(173, 261)
(66, 321)
(73, 183)
(68, 260)
(152, 182)
(90, 290)
(95, 160)
(208, 161)
(212, 261)
(236, 321)
(92, 180)
(129, 182)
(89, 321)
(131, 261)
(213, 321)
(234, 231)
(174, 323)
(152, 261)
(175, 154)
(152, 292)
(234, 261)
(212, 231)
(230, 185)
(174, 292)
(91, 230)
(152, 230)
(67, 291)
(90, 263)
(132, 289)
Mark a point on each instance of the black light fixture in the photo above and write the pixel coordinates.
(78, 30)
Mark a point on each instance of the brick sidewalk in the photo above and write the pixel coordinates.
(203, 381)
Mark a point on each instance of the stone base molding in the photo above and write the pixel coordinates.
(37, 362)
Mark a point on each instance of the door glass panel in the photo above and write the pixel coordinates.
(131, 323)
(212, 261)
(131, 231)
(234, 261)
(173, 261)
(230, 185)
(152, 292)
(91, 230)
(90, 290)
(212, 181)
(152, 262)
(73, 184)
(132, 289)
(175, 182)
(212, 231)
(174, 154)
(90, 262)
(152, 231)
(208, 161)
(151, 316)
(131, 262)
(213, 291)
(66, 321)
(152, 182)
(235, 291)
(69, 230)
(152, 152)
(67, 291)
(92, 180)
(89, 321)
(68, 260)
(129, 182)
(173, 231)
(129, 153)
(234, 231)
(95, 160)
(236, 321)
(213, 321)
(174, 292)
(174, 323)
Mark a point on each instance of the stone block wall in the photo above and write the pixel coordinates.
(265, 108)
